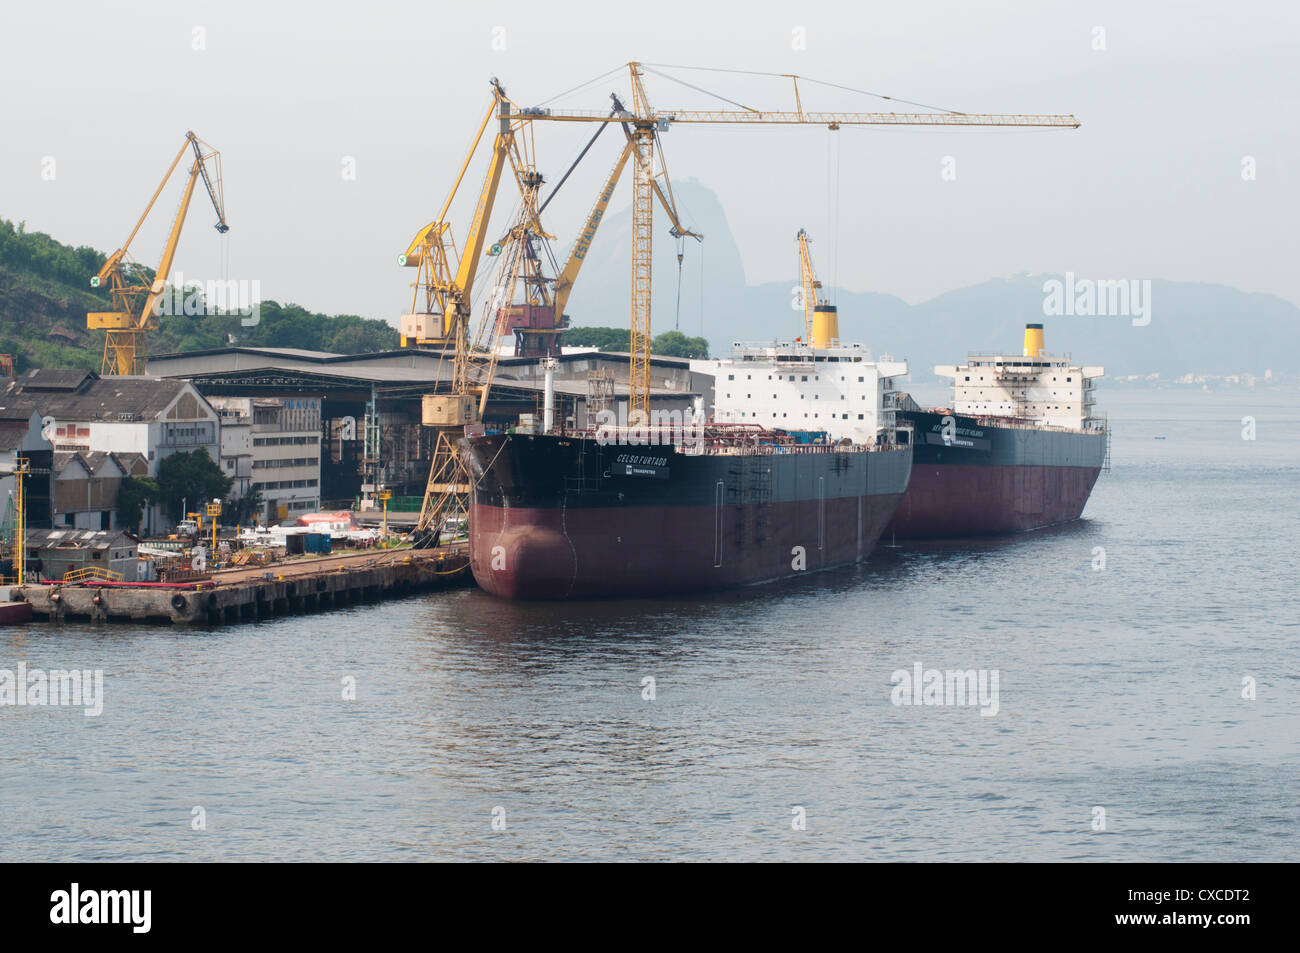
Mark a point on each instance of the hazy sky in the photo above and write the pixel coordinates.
(1151, 185)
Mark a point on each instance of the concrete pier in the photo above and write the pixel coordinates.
(311, 585)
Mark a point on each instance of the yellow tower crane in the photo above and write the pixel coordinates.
(569, 274)
(646, 123)
(134, 293)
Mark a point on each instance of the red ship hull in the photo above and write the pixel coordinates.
(976, 477)
(548, 553)
(558, 517)
(948, 499)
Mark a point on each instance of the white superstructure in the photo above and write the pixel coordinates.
(838, 389)
(1032, 385)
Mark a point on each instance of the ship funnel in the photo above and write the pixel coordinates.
(826, 326)
(1034, 346)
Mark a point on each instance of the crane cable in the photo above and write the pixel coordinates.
(833, 211)
(806, 79)
(681, 253)
(701, 289)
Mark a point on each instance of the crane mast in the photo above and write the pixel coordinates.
(134, 295)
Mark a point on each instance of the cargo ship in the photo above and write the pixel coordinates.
(800, 469)
(1020, 448)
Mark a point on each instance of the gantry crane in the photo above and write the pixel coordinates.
(445, 278)
(539, 319)
(134, 294)
(646, 123)
(444, 288)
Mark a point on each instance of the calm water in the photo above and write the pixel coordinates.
(1119, 688)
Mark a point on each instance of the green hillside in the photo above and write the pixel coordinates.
(45, 293)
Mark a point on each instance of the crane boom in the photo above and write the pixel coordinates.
(446, 277)
(126, 327)
(740, 116)
(810, 284)
(569, 274)
(474, 241)
(644, 124)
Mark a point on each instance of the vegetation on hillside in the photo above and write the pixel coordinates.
(45, 293)
(668, 344)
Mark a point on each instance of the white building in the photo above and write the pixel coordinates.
(154, 417)
(151, 416)
(236, 418)
(283, 450)
(837, 389)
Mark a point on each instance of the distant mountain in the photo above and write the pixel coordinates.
(1194, 327)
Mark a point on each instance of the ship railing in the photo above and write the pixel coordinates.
(723, 440)
(1028, 423)
(991, 355)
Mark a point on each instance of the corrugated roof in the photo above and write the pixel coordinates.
(78, 538)
(55, 378)
(62, 459)
(105, 398)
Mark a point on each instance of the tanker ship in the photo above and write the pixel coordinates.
(1019, 449)
(799, 470)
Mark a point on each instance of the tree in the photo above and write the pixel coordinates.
(668, 344)
(606, 339)
(192, 476)
(133, 495)
(676, 344)
(245, 508)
